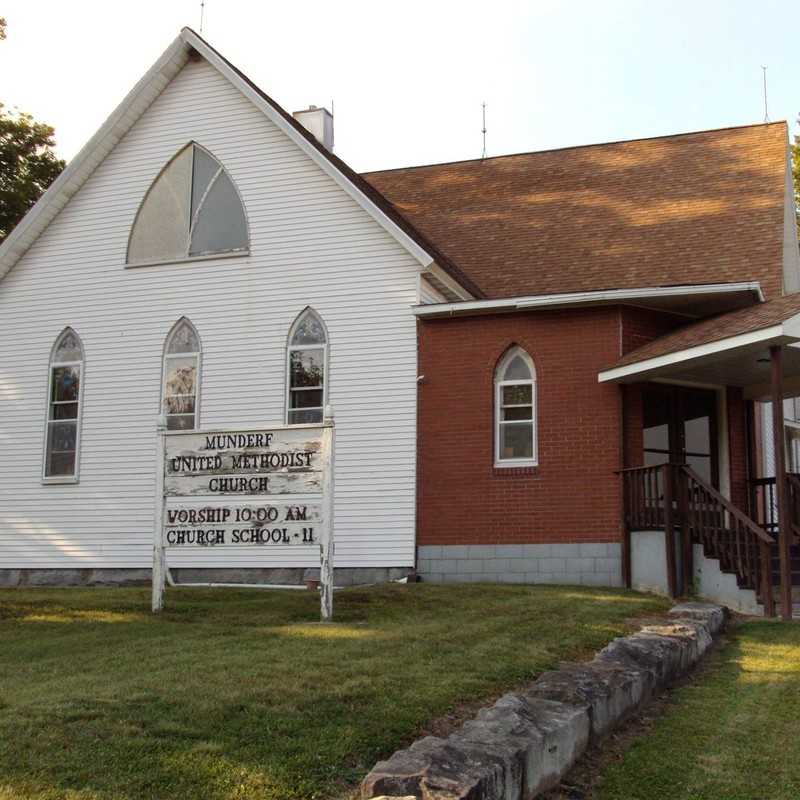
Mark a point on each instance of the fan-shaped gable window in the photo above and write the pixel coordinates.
(64, 395)
(191, 210)
(181, 387)
(515, 410)
(307, 356)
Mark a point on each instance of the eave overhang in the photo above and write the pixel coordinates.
(742, 361)
(690, 301)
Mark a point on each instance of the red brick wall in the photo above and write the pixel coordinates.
(640, 326)
(737, 445)
(633, 441)
(573, 494)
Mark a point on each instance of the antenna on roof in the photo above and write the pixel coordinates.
(483, 130)
(766, 112)
(202, 9)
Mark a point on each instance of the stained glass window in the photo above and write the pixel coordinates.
(192, 209)
(181, 372)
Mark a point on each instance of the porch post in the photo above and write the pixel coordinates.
(669, 529)
(784, 527)
(686, 534)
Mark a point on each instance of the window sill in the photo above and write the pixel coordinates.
(514, 470)
(55, 481)
(189, 260)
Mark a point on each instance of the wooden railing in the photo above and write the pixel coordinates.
(764, 503)
(643, 490)
(675, 499)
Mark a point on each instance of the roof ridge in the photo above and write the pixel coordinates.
(578, 147)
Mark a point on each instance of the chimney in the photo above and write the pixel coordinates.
(319, 122)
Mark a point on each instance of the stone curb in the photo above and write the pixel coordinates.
(525, 743)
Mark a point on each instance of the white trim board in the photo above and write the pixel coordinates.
(603, 296)
(784, 333)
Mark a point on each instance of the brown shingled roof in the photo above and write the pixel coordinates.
(714, 329)
(686, 209)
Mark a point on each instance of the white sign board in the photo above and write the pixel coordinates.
(242, 463)
(252, 524)
(255, 488)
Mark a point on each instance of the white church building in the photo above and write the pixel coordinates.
(206, 254)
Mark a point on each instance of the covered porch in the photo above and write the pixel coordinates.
(705, 462)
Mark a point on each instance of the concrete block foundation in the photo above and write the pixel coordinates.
(589, 564)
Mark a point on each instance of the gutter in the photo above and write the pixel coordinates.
(605, 296)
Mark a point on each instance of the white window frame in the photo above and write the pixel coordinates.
(165, 357)
(52, 365)
(325, 362)
(499, 385)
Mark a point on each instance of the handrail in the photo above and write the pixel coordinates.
(753, 527)
(675, 499)
(764, 502)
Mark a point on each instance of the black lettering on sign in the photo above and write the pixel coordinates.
(231, 441)
(254, 485)
(297, 459)
(195, 463)
(195, 536)
(197, 516)
(260, 536)
(296, 513)
(261, 514)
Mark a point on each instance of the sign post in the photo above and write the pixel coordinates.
(256, 488)
(326, 545)
(159, 557)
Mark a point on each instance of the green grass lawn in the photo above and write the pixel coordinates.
(731, 735)
(243, 694)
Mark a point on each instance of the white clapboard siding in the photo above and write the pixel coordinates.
(311, 244)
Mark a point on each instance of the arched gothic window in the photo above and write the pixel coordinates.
(191, 210)
(181, 381)
(306, 365)
(515, 410)
(64, 391)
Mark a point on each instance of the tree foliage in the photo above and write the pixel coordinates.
(28, 165)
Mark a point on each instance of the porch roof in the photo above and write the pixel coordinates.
(729, 349)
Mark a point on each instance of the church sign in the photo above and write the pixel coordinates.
(263, 488)
(242, 463)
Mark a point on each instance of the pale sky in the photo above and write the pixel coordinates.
(408, 78)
